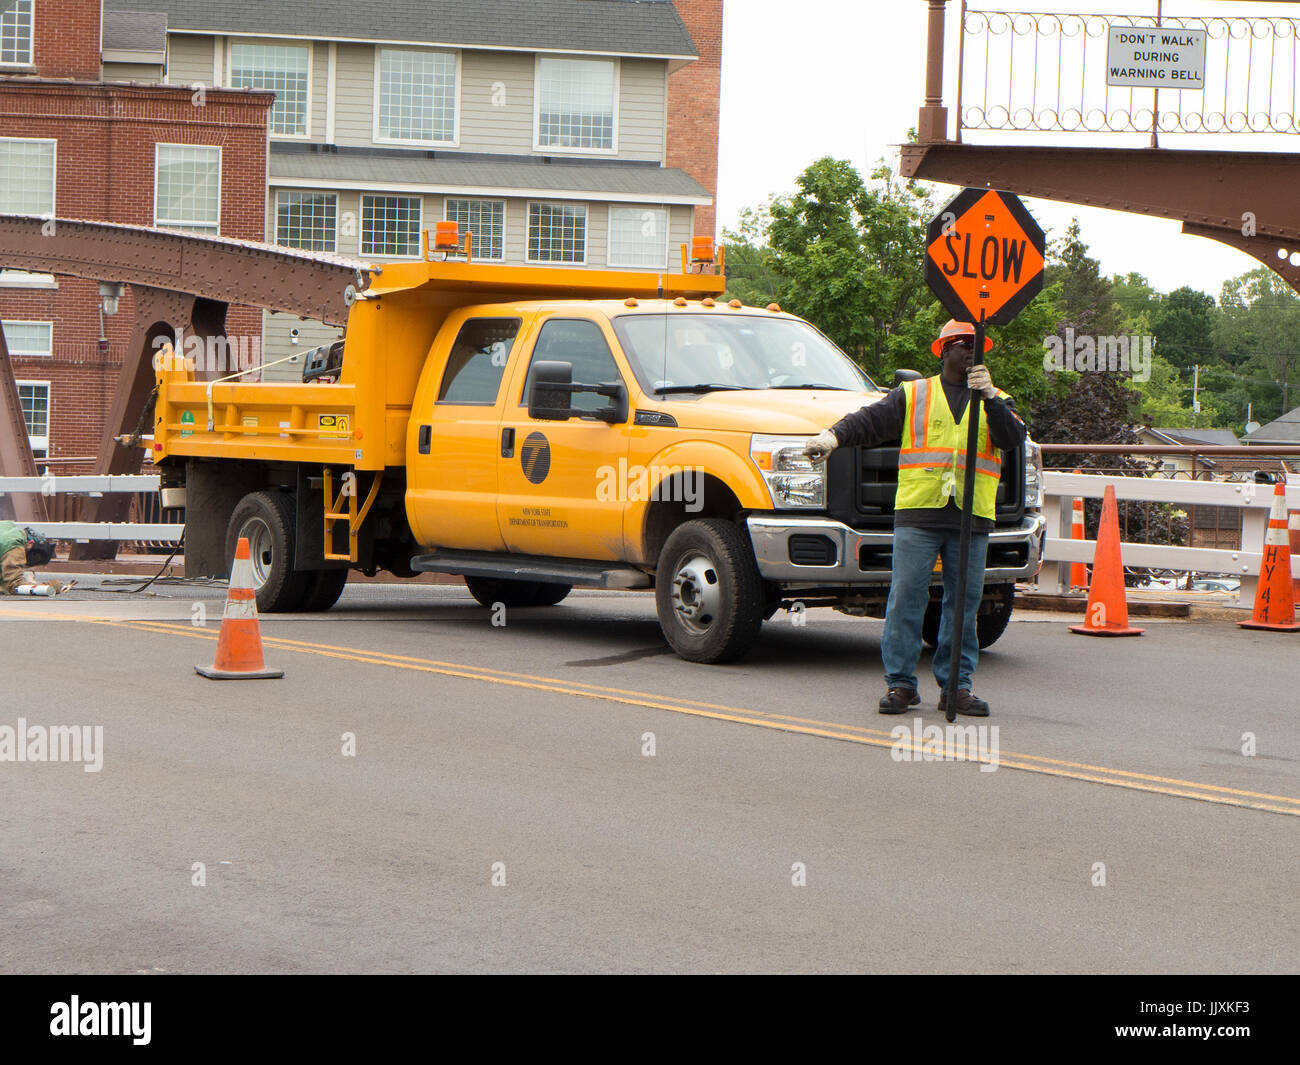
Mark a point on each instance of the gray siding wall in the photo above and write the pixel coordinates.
(277, 343)
(641, 109)
(354, 106)
(516, 224)
(496, 96)
(189, 59)
(147, 72)
(496, 102)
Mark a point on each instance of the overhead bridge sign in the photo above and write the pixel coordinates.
(1143, 57)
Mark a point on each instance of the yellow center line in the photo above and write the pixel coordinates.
(1177, 788)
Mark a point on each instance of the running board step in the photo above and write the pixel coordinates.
(532, 568)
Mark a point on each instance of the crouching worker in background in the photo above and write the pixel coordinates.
(20, 548)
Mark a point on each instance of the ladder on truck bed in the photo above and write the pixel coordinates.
(354, 516)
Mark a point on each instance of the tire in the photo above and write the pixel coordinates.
(511, 593)
(988, 626)
(267, 520)
(993, 624)
(930, 624)
(324, 586)
(708, 592)
(551, 594)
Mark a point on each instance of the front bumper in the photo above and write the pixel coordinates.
(852, 557)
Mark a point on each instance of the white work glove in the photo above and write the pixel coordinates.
(820, 446)
(979, 380)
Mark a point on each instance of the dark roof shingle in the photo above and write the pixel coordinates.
(135, 31)
(607, 27)
(649, 184)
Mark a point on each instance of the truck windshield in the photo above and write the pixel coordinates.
(681, 353)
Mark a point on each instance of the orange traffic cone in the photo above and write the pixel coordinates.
(1078, 571)
(1293, 527)
(1107, 613)
(239, 644)
(1274, 598)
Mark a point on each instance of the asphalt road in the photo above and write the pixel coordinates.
(562, 794)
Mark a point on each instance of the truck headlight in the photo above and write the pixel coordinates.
(792, 481)
(1033, 475)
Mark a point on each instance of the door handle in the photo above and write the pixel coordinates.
(426, 439)
(508, 443)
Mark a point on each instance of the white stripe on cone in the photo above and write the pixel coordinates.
(1277, 522)
(241, 574)
(240, 608)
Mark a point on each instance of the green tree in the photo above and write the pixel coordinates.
(851, 259)
(1087, 299)
(1261, 323)
(1184, 327)
(1164, 400)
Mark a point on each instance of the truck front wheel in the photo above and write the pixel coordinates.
(266, 520)
(990, 624)
(708, 592)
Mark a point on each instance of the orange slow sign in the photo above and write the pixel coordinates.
(984, 256)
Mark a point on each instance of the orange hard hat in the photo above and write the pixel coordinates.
(956, 329)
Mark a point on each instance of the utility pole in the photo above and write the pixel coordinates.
(1196, 384)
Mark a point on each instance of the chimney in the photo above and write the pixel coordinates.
(693, 93)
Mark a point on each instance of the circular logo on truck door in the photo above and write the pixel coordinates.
(535, 457)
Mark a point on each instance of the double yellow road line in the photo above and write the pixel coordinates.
(1030, 763)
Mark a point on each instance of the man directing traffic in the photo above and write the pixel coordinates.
(931, 416)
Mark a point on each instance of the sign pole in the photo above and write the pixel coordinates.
(984, 261)
(975, 401)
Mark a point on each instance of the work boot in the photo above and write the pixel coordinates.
(966, 704)
(897, 700)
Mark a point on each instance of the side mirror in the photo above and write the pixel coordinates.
(549, 398)
(906, 375)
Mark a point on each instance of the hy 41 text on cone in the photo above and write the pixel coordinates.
(1107, 612)
(1275, 597)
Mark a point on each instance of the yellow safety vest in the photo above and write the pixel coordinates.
(931, 463)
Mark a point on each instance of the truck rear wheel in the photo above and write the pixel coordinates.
(266, 519)
(492, 590)
(988, 626)
(708, 592)
(324, 586)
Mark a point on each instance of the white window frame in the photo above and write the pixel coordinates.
(505, 222)
(190, 225)
(377, 94)
(16, 353)
(385, 256)
(640, 208)
(586, 238)
(275, 207)
(54, 169)
(311, 71)
(40, 443)
(30, 62)
(548, 149)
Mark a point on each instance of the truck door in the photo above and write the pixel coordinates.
(452, 469)
(562, 482)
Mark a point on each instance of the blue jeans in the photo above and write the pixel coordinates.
(915, 551)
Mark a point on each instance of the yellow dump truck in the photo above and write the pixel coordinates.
(535, 429)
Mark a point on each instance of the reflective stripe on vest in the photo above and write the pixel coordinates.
(932, 459)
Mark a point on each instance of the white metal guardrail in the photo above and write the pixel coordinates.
(1253, 501)
(92, 485)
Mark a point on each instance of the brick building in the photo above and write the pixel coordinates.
(74, 145)
(693, 94)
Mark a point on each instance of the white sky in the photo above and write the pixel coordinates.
(806, 78)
